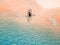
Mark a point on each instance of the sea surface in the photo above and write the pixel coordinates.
(12, 33)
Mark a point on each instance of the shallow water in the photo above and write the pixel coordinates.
(12, 33)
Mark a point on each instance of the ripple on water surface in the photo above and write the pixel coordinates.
(14, 34)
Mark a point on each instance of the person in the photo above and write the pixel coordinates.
(29, 15)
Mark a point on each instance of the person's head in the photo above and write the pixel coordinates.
(29, 10)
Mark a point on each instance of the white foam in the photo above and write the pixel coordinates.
(49, 3)
(53, 21)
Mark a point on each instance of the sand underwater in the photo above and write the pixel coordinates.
(12, 33)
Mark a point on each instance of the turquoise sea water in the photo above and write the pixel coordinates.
(18, 34)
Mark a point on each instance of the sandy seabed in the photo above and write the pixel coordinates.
(44, 28)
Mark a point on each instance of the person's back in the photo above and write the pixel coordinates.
(29, 13)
